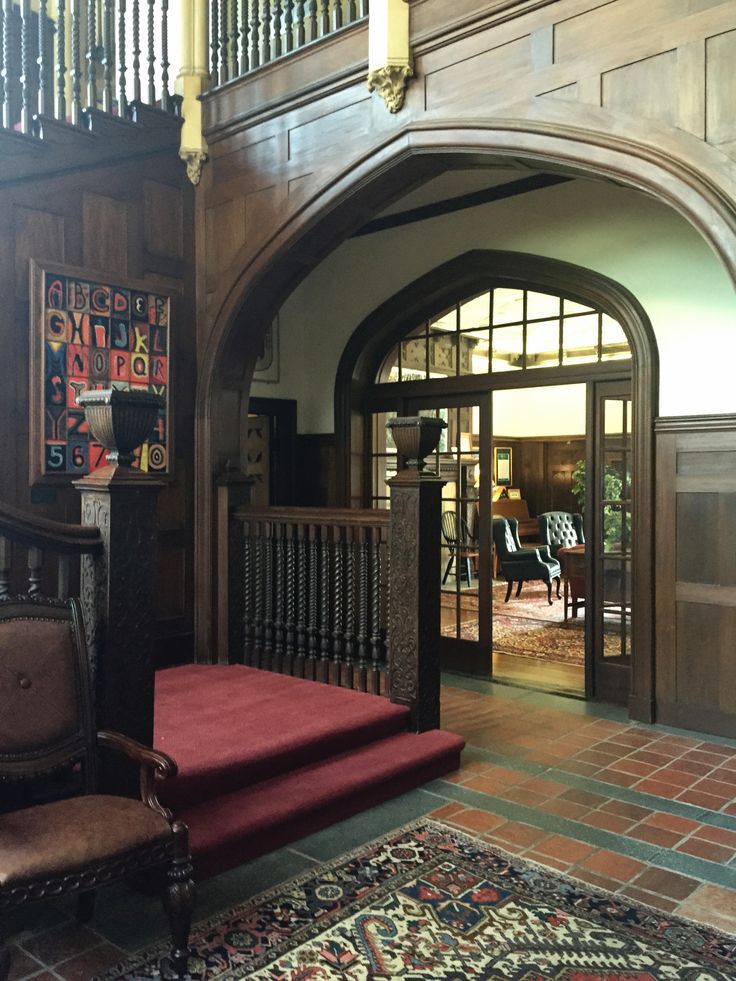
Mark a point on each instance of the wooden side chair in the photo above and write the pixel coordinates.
(48, 737)
(463, 550)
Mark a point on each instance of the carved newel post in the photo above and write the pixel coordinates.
(414, 587)
(117, 586)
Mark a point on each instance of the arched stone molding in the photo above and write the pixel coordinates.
(672, 166)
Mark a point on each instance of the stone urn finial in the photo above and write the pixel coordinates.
(415, 438)
(120, 421)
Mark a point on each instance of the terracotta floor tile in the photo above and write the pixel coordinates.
(634, 737)
(633, 766)
(612, 749)
(648, 899)
(699, 756)
(486, 785)
(724, 774)
(690, 766)
(548, 861)
(655, 836)
(728, 752)
(700, 799)
(89, 965)
(651, 786)
(520, 796)
(512, 847)
(621, 807)
(567, 849)
(579, 768)
(446, 811)
(618, 778)
(541, 785)
(666, 883)
(672, 822)
(21, 964)
(730, 810)
(519, 833)
(595, 879)
(678, 778)
(713, 905)
(475, 820)
(583, 797)
(706, 849)
(608, 821)
(613, 865)
(589, 756)
(715, 787)
(722, 836)
(60, 943)
(648, 756)
(564, 808)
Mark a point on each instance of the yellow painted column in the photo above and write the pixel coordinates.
(193, 79)
(389, 56)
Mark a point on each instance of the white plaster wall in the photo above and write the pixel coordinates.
(624, 234)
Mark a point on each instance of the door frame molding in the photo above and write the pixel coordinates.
(480, 269)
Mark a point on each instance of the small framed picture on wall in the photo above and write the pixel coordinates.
(502, 465)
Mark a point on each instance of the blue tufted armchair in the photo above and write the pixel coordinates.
(560, 529)
(520, 565)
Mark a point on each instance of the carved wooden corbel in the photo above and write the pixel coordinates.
(195, 160)
(390, 83)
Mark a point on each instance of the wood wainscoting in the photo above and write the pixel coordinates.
(695, 608)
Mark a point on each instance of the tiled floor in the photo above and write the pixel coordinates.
(645, 812)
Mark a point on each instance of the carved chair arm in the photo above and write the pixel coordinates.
(152, 762)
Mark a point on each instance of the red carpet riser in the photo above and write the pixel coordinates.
(265, 759)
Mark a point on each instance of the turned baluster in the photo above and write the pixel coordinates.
(107, 56)
(338, 604)
(244, 33)
(375, 582)
(352, 11)
(324, 18)
(233, 66)
(224, 60)
(258, 567)
(3, 30)
(165, 55)
(302, 573)
(91, 53)
(300, 31)
(276, 29)
(290, 591)
(76, 65)
(362, 602)
(280, 557)
(313, 594)
(136, 51)
(289, 25)
(255, 24)
(336, 14)
(312, 29)
(35, 561)
(122, 68)
(268, 596)
(6, 554)
(348, 552)
(248, 596)
(151, 54)
(62, 577)
(43, 70)
(363, 8)
(323, 667)
(266, 30)
(25, 66)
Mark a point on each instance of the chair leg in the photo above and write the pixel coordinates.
(4, 962)
(179, 898)
(86, 906)
(518, 588)
(549, 592)
(557, 580)
(508, 590)
(447, 570)
(468, 571)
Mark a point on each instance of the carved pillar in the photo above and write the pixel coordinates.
(233, 491)
(414, 579)
(117, 586)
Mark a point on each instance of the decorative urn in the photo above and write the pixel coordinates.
(415, 438)
(120, 421)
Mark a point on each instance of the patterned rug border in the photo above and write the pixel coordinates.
(160, 950)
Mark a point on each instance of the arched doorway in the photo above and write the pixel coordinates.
(490, 322)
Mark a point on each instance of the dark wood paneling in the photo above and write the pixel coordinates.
(105, 222)
(316, 470)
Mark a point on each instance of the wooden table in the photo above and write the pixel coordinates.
(572, 560)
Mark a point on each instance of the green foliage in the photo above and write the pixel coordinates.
(612, 491)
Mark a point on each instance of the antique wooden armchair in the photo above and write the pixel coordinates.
(47, 738)
(520, 565)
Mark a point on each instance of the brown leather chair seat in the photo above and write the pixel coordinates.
(73, 835)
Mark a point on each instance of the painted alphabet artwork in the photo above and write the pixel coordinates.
(98, 335)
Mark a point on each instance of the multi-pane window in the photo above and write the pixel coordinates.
(505, 329)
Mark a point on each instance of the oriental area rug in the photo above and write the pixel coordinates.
(428, 903)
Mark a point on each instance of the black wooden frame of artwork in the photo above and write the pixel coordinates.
(90, 332)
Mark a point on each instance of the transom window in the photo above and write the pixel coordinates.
(505, 329)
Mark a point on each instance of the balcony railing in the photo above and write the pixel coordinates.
(64, 63)
(245, 34)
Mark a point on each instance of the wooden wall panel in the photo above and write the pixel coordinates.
(696, 576)
(646, 88)
(720, 59)
(163, 220)
(105, 222)
(496, 66)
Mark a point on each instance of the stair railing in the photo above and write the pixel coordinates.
(314, 594)
(246, 34)
(82, 57)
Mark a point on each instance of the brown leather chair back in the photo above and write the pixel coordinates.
(45, 694)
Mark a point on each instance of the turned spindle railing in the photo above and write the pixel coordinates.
(314, 593)
(86, 56)
(245, 34)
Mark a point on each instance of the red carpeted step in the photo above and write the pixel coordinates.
(229, 726)
(231, 829)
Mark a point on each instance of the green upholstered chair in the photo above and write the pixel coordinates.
(520, 565)
(560, 529)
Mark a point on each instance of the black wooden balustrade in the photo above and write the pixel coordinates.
(246, 34)
(86, 57)
(314, 594)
